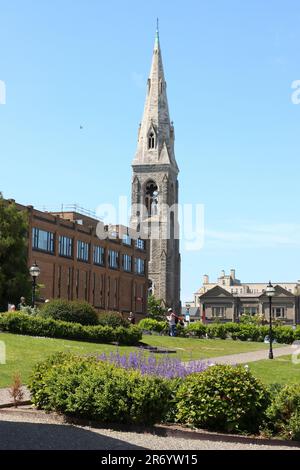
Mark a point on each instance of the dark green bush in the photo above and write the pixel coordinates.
(22, 323)
(297, 333)
(216, 330)
(284, 334)
(232, 327)
(283, 415)
(113, 319)
(150, 324)
(222, 398)
(87, 388)
(74, 311)
(250, 332)
(196, 329)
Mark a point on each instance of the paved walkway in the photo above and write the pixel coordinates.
(244, 358)
(35, 430)
(6, 398)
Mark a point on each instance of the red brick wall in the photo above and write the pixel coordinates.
(105, 288)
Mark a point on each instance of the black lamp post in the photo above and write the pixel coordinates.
(34, 273)
(270, 291)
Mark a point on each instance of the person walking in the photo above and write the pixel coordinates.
(172, 322)
(131, 318)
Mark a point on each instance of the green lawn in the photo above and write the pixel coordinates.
(24, 351)
(279, 370)
(194, 348)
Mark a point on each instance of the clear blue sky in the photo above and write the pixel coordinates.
(229, 67)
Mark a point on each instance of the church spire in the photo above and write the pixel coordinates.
(156, 44)
(156, 134)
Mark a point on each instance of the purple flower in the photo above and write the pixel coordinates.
(166, 367)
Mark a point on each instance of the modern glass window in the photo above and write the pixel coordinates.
(42, 240)
(98, 255)
(127, 263)
(139, 266)
(126, 240)
(278, 312)
(82, 251)
(66, 246)
(218, 311)
(113, 259)
(140, 244)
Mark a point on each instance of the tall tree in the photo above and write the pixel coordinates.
(156, 308)
(14, 278)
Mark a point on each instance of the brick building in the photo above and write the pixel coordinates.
(109, 272)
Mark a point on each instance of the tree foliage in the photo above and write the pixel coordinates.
(156, 308)
(14, 278)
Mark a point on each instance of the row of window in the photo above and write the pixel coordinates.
(44, 241)
(277, 312)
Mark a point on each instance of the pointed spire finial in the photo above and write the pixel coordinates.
(156, 45)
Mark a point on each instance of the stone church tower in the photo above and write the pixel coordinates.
(155, 187)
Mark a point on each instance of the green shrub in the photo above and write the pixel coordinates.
(180, 330)
(297, 333)
(283, 415)
(150, 324)
(216, 330)
(222, 398)
(21, 323)
(284, 334)
(250, 332)
(196, 329)
(231, 327)
(113, 319)
(74, 311)
(87, 388)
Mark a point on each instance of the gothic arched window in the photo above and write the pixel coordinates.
(151, 198)
(151, 140)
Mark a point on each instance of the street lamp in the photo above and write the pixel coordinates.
(270, 291)
(34, 273)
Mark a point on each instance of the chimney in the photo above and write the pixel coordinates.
(205, 279)
(232, 274)
(222, 273)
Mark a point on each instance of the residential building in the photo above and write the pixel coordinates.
(228, 298)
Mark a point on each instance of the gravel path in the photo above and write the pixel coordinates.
(35, 430)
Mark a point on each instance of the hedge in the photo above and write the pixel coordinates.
(236, 331)
(71, 311)
(113, 319)
(87, 388)
(153, 325)
(22, 323)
